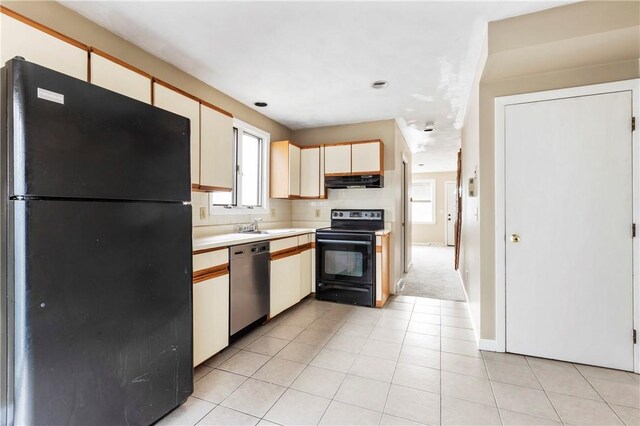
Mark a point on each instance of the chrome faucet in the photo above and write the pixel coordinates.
(252, 227)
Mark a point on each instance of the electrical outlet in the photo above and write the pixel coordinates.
(317, 212)
(203, 213)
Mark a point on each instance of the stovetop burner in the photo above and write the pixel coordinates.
(356, 220)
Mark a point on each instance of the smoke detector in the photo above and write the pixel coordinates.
(429, 126)
(379, 84)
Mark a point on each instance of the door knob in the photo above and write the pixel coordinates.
(515, 238)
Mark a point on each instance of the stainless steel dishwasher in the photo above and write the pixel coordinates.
(250, 284)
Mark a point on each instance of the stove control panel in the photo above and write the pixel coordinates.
(357, 214)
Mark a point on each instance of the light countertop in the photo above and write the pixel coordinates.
(224, 240)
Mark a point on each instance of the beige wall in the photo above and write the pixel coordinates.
(316, 213)
(434, 233)
(574, 45)
(70, 23)
(382, 129)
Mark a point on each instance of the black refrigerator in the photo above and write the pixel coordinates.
(95, 253)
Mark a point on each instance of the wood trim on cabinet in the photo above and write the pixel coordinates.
(214, 188)
(309, 146)
(284, 253)
(212, 270)
(119, 62)
(304, 247)
(385, 267)
(354, 142)
(313, 244)
(378, 249)
(89, 65)
(373, 172)
(213, 107)
(337, 174)
(220, 273)
(175, 89)
(43, 28)
(209, 250)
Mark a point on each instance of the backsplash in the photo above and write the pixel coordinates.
(279, 216)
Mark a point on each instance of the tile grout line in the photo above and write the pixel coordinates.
(599, 394)
(395, 367)
(544, 390)
(493, 391)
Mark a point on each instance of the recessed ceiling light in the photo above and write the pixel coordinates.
(420, 164)
(379, 84)
(260, 104)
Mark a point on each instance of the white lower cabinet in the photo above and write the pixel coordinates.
(285, 283)
(305, 273)
(210, 317)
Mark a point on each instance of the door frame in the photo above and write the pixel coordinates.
(446, 212)
(500, 179)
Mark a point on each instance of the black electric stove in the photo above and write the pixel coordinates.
(346, 257)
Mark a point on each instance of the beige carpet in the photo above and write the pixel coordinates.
(432, 274)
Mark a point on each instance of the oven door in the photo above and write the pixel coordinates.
(346, 258)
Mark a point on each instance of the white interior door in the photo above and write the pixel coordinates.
(451, 198)
(568, 200)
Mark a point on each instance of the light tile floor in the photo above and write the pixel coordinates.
(413, 362)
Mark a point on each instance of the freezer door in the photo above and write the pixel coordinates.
(103, 317)
(70, 139)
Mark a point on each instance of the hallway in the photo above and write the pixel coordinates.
(432, 274)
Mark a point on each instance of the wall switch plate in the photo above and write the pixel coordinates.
(203, 213)
(317, 212)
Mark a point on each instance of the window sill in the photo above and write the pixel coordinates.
(239, 211)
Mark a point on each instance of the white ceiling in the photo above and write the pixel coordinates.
(313, 61)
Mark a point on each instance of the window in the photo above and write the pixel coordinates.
(423, 203)
(249, 181)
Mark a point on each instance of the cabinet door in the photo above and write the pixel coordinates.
(285, 286)
(117, 78)
(170, 100)
(310, 172)
(20, 39)
(216, 149)
(366, 157)
(337, 159)
(210, 318)
(294, 170)
(305, 273)
(323, 188)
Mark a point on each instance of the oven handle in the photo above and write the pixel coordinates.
(357, 243)
(343, 287)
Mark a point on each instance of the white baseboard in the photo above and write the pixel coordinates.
(487, 345)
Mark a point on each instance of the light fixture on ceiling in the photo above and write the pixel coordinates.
(429, 126)
(379, 84)
(420, 164)
(260, 104)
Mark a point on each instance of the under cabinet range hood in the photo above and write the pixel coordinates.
(358, 181)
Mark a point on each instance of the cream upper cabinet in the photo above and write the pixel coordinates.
(366, 157)
(284, 175)
(216, 150)
(171, 100)
(118, 78)
(337, 159)
(323, 188)
(210, 317)
(37, 46)
(310, 172)
(294, 170)
(285, 283)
